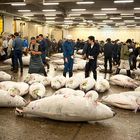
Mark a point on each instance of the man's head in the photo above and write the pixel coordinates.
(12, 36)
(33, 40)
(16, 34)
(41, 37)
(108, 40)
(129, 41)
(91, 39)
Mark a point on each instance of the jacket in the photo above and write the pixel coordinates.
(68, 49)
(18, 44)
(93, 51)
(108, 49)
(125, 52)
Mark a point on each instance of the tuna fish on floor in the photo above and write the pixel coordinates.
(37, 90)
(126, 100)
(33, 78)
(123, 81)
(15, 88)
(71, 108)
(4, 76)
(9, 100)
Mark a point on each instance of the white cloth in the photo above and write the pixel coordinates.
(5, 44)
(124, 65)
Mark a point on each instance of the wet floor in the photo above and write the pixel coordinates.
(124, 126)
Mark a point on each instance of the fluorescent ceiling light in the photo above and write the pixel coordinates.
(108, 21)
(51, 3)
(116, 18)
(24, 10)
(68, 20)
(136, 17)
(89, 21)
(137, 8)
(86, 2)
(127, 14)
(99, 14)
(123, 1)
(75, 10)
(108, 9)
(101, 17)
(129, 21)
(28, 15)
(49, 10)
(18, 4)
(120, 24)
(50, 18)
(50, 21)
(74, 15)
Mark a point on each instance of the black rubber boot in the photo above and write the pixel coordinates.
(95, 76)
(128, 73)
(70, 74)
(117, 71)
(64, 74)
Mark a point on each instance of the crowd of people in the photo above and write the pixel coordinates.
(122, 54)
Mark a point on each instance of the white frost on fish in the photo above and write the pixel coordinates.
(7, 100)
(75, 81)
(102, 85)
(126, 100)
(37, 90)
(15, 88)
(123, 81)
(58, 82)
(4, 76)
(71, 108)
(37, 78)
(87, 84)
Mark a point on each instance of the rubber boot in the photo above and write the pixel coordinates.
(117, 71)
(128, 73)
(64, 74)
(70, 74)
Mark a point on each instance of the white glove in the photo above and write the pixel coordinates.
(130, 50)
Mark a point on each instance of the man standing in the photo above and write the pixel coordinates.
(68, 52)
(92, 53)
(43, 46)
(125, 52)
(11, 51)
(18, 48)
(108, 50)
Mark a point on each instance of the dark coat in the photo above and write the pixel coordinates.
(108, 49)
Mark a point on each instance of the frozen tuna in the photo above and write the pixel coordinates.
(123, 81)
(15, 88)
(126, 100)
(75, 81)
(8, 100)
(4, 76)
(58, 82)
(102, 85)
(37, 90)
(72, 108)
(87, 84)
(37, 78)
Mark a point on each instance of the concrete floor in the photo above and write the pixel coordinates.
(124, 126)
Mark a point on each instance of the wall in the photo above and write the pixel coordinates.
(8, 24)
(102, 34)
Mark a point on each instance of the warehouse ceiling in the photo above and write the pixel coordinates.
(66, 13)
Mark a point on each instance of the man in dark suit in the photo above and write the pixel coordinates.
(92, 53)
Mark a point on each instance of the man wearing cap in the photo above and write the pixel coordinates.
(92, 53)
(68, 53)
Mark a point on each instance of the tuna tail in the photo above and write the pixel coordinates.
(19, 112)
